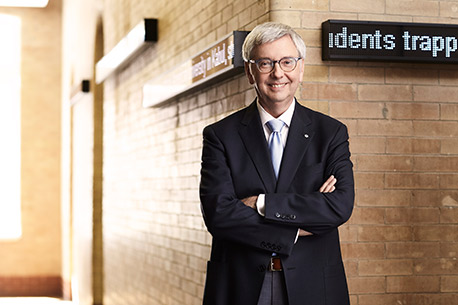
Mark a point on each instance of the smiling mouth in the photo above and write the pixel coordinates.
(278, 85)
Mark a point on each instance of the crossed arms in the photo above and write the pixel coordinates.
(224, 175)
(327, 187)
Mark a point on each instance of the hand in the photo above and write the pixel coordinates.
(250, 201)
(304, 233)
(329, 185)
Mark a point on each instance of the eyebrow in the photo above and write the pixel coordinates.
(278, 59)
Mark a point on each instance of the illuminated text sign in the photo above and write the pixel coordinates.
(389, 41)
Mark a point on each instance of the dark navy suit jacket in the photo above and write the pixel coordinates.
(235, 165)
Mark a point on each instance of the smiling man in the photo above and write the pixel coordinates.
(276, 183)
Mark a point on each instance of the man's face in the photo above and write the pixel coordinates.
(277, 87)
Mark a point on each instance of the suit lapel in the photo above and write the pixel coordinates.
(300, 136)
(255, 143)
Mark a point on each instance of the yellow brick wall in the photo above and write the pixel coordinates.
(400, 245)
(155, 243)
(36, 257)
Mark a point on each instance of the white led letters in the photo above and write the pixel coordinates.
(375, 41)
(433, 44)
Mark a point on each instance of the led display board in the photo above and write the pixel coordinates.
(389, 41)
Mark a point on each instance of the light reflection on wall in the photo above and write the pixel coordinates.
(24, 3)
(10, 122)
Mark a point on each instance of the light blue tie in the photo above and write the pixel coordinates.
(275, 144)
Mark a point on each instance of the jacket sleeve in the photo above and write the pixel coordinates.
(318, 212)
(225, 215)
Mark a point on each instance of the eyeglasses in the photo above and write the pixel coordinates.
(266, 65)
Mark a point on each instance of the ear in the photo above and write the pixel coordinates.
(301, 64)
(248, 73)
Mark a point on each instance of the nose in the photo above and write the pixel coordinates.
(277, 70)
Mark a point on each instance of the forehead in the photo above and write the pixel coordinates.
(277, 49)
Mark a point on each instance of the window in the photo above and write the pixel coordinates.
(10, 124)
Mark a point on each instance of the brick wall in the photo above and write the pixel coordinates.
(400, 246)
(155, 243)
(401, 243)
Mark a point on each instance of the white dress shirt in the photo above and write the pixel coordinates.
(286, 117)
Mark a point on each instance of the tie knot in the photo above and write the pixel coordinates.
(275, 125)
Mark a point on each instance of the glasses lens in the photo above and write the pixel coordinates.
(288, 64)
(264, 65)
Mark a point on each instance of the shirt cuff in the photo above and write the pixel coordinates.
(261, 204)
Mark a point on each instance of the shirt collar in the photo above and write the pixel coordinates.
(286, 116)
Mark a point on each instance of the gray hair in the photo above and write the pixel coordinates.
(269, 32)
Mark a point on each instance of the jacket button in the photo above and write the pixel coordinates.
(261, 268)
(293, 217)
(277, 215)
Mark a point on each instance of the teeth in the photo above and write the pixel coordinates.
(278, 86)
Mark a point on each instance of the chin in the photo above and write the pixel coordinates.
(280, 98)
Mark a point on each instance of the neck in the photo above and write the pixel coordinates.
(275, 109)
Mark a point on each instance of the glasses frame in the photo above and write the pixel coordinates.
(273, 62)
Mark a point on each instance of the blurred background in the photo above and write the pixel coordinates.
(99, 177)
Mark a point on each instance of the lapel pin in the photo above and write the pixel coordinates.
(306, 136)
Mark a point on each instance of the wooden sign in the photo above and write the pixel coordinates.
(216, 63)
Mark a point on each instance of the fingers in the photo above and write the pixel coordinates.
(329, 185)
(250, 201)
(304, 233)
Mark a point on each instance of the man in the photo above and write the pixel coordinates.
(274, 227)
